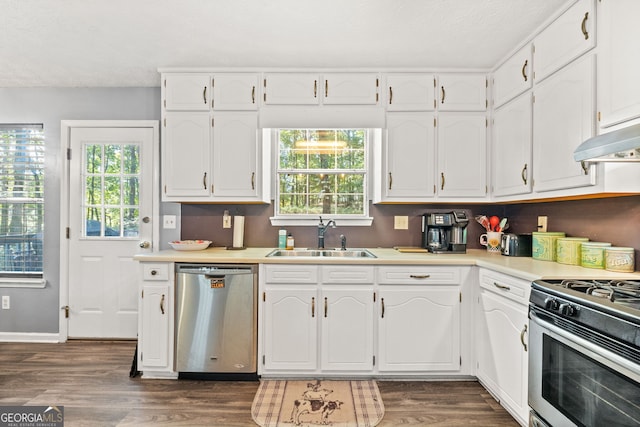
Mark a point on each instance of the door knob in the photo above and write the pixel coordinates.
(144, 245)
(146, 219)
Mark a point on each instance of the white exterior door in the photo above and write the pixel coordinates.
(110, 204)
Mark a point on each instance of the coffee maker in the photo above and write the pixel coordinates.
(445, 232)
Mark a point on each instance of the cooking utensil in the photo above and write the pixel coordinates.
(483, 221)
(493, 222)
(502, 225)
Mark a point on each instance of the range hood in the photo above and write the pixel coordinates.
(618, 146)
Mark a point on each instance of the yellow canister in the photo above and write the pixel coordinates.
(619, 259)
(592, 254)
(568, 250)
(543, 245)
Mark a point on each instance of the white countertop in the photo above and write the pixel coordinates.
(522, 267)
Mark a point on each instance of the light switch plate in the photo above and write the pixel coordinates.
(401, 222)
(169, 221)
(6, 302)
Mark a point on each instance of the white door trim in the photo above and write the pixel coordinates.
(65, 131)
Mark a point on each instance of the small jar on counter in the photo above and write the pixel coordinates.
(290, 242)
(619, 259)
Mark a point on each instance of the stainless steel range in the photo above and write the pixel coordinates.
(584, 353)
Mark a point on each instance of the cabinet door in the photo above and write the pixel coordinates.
(410, 149)
(186, 155)
(419, 329)
(462, 151)
(411, 92)
(513, 77)
(462, 92)
(186, 92)
(235, 91)
(618, 61)
(512, 147)
(351, 88)
(347, 329)
(290, 329)
(563, 117)
(291, 89)
(235, 160)
(155, 310)
(502, 365)
(568, 37)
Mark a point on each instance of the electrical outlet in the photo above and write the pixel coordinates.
(400, 222)
(6, 302)
(542, 224)
(226, 220)
(169, 221)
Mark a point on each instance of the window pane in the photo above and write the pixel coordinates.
(112, 190)
(112, 221)
(131, 221)
(93, 155)
(131, 159)
(112, 158)
(21, 199)
(131, 191)
(93, 190)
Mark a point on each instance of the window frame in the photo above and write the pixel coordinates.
(34, 279)
(279, 219)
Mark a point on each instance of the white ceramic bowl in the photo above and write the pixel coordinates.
(190, 245)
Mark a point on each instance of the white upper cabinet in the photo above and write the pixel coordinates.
(351, 88)
(563, 117)
(513, 77)
(409, 153)
(410, 92)
(186, 92)
(568, 37)
(512, 137)
(618, 61)
(462, 152)
(291, 89)
(235, 91)
(462, 92)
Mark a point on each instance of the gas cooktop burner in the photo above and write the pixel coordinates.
(627, 291)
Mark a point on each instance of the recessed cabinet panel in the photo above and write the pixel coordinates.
(563, 118)
(410, 92)
(235, 91)
(513, 77)
(186, 92)
(462, 92)
(186, 155)
(512, 136)
(568, 37)
(291, 89)
(156, 309)
(618, 61)
(410, 147)
(351, 88)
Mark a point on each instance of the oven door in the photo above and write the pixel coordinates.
(573, 381)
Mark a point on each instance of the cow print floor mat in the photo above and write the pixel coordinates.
(280, 403)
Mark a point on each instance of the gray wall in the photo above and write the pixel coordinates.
(37, 310)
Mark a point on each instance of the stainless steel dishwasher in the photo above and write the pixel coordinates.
(216, 321)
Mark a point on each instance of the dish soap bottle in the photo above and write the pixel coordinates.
(282, 238)
(289, 241)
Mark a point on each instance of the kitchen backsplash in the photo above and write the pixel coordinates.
(615, 220)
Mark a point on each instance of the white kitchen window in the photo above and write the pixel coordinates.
(21, 203)
(321, 172)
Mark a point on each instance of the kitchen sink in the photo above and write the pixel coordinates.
(336, 253)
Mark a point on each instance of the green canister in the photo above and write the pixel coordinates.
(592, 255)
(568, 250)
(543, 246)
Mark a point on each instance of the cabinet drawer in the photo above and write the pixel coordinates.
(347, 274)
(508, 286)
(155, 272)
(418, 275)
(288, 273)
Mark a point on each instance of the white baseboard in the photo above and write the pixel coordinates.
(29, 337)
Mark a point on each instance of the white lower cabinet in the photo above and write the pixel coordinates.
(501, 340)
(155, 321)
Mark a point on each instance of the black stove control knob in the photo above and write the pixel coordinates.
(567, 309)
(551, 304)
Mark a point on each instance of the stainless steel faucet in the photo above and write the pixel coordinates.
(321, 229)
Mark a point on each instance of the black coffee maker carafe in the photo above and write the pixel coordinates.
(444, 232)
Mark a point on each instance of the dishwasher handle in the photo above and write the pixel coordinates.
(215, 271)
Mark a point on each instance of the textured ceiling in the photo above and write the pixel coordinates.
(67, 43)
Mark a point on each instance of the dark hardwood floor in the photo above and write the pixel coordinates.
(91, 380)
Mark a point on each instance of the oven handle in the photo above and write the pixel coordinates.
(602, 354)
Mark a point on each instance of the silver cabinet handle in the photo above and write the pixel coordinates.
(326, 88)
(204, 180)
(315, 88)
(524, 68)
(382, 304)
(523, 175)
(390, 95)
(524, 331)
(443, 95)
(204, 94)
(253, 95)
(585, 167)
(442, 180)
(419, 276)
(325, 306)
(313, 306)
(390, 180)
(583, 26)
(162, 304)
(253, 180)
